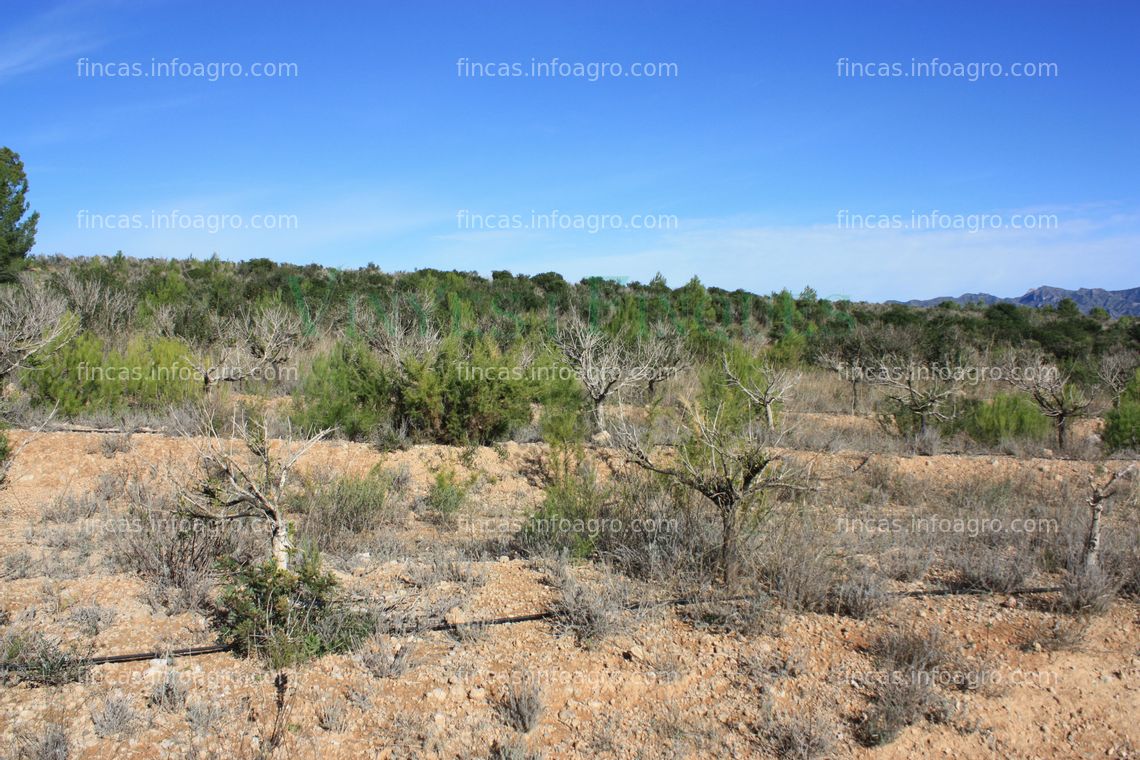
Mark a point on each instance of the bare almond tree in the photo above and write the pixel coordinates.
(253, 344)
(1051, 388)
(243, 477)
(32, 321)
(98, 307)
(605, 365)
(922, 389)
(1099, 495)
(727, 464)
(771, 387)
(405, 331)
(661, 352)
(848, 358)
(1115, 370)
(164, 317)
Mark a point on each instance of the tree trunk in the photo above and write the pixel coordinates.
(854, 396)
(1061, 430)
(728, 545)
(599, 415)
(1092, 541)
(279, 543)
(771, 416)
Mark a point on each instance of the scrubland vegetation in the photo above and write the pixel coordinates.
(632, 459)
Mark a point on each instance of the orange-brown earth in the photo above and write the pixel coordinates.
(664, 689)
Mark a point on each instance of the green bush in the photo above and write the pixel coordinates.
(1122, 427)
(572, 518)
(1122, 424)
(478, 395)
(287, 617)
(446, 495)
(564, 422)
(347, 389)
(456, 397)
(1007, 417)
(84, 376)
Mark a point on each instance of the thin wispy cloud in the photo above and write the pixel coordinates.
(48, 39)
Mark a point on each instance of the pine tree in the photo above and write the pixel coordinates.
(16, 237)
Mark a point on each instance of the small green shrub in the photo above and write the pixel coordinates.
(447, 494)
(347, 389)
(1122, 427)
(472, 395)
(287, 617)
(84, 376)
(571, 520)
(565, 411)
(1007, 417)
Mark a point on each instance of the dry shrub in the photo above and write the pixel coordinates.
(589, 614)
(28, 656)
(798, 559)
(521, 706)
(1086, 590)
(339, 514)
(906, 563)
(800, 736)
(385, 658)
(862, 595)
(178, 557)
(898, 703)
(168, 692)
(443, 569)
(981, 567)
(93, 619)
(70, 509)
(753, 615)
(115, 717)
(911, 663)
(333, 717)
(1058, 635)
(50, 742)
(205, 717)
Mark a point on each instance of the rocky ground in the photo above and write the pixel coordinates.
(660, 687)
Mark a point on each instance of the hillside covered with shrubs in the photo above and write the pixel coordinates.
(455, 358)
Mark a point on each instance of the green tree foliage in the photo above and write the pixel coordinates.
(1122, 424)
(347, 389)
(478, 395)
(286, 617)
(17, 231)
(1007, 417)
(490, 323)
(84, 376)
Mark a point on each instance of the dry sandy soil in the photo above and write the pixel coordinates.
(662, 689)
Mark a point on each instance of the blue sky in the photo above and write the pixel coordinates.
(749, 154)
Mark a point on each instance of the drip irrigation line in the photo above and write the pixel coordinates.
(115, 659)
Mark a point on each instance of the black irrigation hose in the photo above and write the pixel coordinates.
(529, 618)
(977, 591)
(141, 656)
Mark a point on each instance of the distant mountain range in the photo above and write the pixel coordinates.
(1117, 303)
